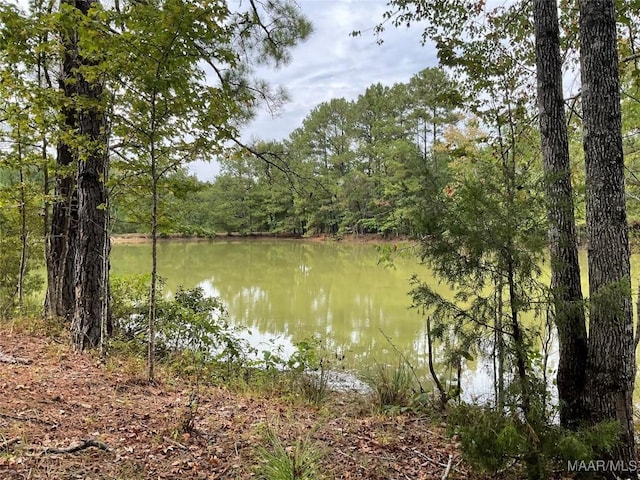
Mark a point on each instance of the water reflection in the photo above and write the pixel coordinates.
(296, 290)
(291, 290)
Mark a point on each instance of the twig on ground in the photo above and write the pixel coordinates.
(177, 444)
(26, 419)
(86, 443)
(350, 457)
(431, 460)
(4, 358)
(448, 469)
(6, 444)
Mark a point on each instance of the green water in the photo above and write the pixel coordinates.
(296, 289)
(292, 290)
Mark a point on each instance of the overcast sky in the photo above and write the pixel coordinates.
(332, 64)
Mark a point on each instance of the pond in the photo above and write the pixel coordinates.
(286, 291)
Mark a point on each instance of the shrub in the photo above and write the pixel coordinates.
(492, 441)
(192, 329)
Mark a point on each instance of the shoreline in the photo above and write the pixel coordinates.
(373, 238)
(368, 238)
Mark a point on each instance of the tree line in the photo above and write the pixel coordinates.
(351, 167)
(363, 166)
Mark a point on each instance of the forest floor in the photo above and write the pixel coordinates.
(65, 415)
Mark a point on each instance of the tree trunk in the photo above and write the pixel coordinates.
(151, 344)
(61, 244)
(565, 269)
(90, 282)
(60, 300)
(61, 248)
(499, 354)
(44, 147)
(22, 272)
(519, 347)
(22, 269)
(611, 357)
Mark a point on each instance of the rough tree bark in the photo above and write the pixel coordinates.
(611, 356)
(77, 287)
(565, 269)
(90, 280)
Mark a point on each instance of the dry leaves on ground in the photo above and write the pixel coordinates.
(65, 416)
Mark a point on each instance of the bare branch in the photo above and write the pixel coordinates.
(86, 443)
(631, 58)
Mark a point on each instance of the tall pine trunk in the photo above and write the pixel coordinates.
(78, 238)
(611, 357)
(91, 287)
(563, 250)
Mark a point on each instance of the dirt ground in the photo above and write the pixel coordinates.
(64, 415)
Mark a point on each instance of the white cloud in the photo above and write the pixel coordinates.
(333, 64)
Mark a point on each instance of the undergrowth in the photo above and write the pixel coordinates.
(196, 341)
(393, 386)
(297, 461)
(493, 441)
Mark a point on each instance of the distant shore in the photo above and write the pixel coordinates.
(132, 238)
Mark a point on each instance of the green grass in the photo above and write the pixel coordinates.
(299, 461)
(392, 384)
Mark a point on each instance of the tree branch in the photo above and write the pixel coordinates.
(86, 443)
(631, 57)
(267, 32)
(26, 419)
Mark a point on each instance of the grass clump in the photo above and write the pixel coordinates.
(393, 385)
(299, 461)
(314, 386)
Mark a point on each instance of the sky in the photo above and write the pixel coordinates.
(333, 64)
